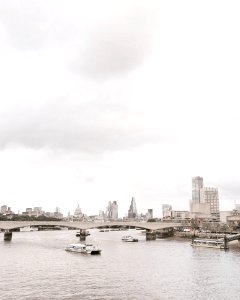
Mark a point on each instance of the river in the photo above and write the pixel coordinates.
(34, 265)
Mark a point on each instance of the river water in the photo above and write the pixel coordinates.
(34, 265)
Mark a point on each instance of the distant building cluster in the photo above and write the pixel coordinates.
(204, 205)
(37, 211)
(111, 213)
(31, 212)
(205, 200)
(6, 210)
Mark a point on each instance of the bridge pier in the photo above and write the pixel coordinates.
(83, 235)
(151, 235)
(165, 233)
(7, 236)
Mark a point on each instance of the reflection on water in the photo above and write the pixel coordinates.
(35, 266)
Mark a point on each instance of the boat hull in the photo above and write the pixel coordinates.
(82, 248)
(209, 246)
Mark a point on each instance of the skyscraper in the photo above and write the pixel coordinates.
(166, 211)
(132, 212)
(112, 210)
(109, 210)
(205, 200)
(197, 184)
(150, 213)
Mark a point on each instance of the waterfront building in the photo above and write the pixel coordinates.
(132, 212)
(205, 201)
(210, 195)
(200, 210)
(224, 215)
(179, 215)
(166, 211)
(234, 219)
(197, 185)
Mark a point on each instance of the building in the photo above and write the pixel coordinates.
(58, 214)
(210, 195)
(132, 212)
(112, 211)
(234, 219)
(108, 214)
(166, 211)
(78, 213)
(29, 211)
(200, 210)
(224, 215)
(197, 185)
(205, 201)
(150, 213)
(38, 211)
(179, 215)
(4, 209)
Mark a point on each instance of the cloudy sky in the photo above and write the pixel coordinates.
(104, 100)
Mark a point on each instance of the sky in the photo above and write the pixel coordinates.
(108, 100)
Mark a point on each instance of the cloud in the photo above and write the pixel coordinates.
(33, 25)
(103, 39)
(117, 45)
(229, 189)
(92, 127)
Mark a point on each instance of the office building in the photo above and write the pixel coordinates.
(132, 212)
(197, 185)
(210, 195)
(166, 211)
(150, 213)
(112, 211)
(205, 200)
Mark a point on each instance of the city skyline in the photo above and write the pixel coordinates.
(102, 101)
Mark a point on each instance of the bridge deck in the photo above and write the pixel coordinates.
(8, 225)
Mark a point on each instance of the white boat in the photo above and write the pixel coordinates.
(83, 248)
(129, 238)
(209, 243)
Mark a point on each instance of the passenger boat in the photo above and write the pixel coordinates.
(83, 248)
(209, 243)
(129, 238)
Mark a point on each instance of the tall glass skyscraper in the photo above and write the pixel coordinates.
(112, 211)
(132, 212)
(197, 185)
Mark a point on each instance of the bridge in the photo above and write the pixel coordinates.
(235, 237)
(150, 227)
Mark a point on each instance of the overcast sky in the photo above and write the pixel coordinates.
(104, 100)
